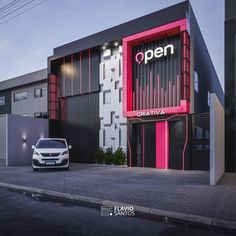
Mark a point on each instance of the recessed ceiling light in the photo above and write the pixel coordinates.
(116, 44)
(103, 47)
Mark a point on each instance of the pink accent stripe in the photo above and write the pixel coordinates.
(178, 90)
(140, 97)
(162, 145)
(158, 91)
(154, 97)
(186, 141)
(174, 95)
(166, 97)
(170, 94)
(147, 96)
(136, 100)
(151, 90)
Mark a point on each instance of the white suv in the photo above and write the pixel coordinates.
(51, 153)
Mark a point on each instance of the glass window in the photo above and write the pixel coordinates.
(2, 101)
(43, 115)
(38, 114)
(51, 143)
(20, 96)
(37, 93)
(44, 92)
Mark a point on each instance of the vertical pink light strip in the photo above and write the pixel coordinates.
(140, 97)
(162, 145)
(174, 95)
(166, 99)
(136, 101)
(162, 98)
(158, 91)
(178, 91)
(154, 91)
(133, 100)
(143, 145)
(170, 93)
(147, 96)
(144, 99)
(151, 90)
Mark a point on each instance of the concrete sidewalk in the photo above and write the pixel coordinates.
(167, 191)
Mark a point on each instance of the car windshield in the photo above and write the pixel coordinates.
(51, 144)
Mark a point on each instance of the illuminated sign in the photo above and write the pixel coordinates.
(157, 53)
(150, 113)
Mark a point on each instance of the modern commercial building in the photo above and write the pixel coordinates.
(25, 95)
(140, 85)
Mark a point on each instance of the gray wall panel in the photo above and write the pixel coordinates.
(20, 127)
(2, 140)
(31, 105)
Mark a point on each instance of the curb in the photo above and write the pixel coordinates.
(164, 215)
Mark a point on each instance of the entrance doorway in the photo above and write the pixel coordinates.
(160, 145)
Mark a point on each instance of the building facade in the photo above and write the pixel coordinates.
(140, 85)
(25, 95)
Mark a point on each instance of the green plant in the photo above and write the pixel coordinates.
(109, 156)
(119, 157)
(99, 156)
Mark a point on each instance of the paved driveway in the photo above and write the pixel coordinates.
(182, 191)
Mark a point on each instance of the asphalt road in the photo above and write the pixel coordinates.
(24, 215)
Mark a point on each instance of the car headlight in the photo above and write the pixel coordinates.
(36, 153)
(64, 153)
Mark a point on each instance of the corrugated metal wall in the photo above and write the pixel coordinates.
(81, 126)
(158, 82)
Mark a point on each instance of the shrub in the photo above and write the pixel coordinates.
(119, 157)
(109, 156)
(99, 156)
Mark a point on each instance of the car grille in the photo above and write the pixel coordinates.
(49, 159)
(50, 154)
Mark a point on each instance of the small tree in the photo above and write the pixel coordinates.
(119, 157)
(99, 156)
(109, 156)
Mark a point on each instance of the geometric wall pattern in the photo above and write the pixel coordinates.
(113, 126)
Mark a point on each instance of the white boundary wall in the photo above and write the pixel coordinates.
(217, 141)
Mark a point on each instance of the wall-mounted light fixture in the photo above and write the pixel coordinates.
(24, 140)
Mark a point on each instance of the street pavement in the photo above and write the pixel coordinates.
(180, 191)
(24, 215)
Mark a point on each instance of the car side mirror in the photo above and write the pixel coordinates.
(33, 147)
(69, 146)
